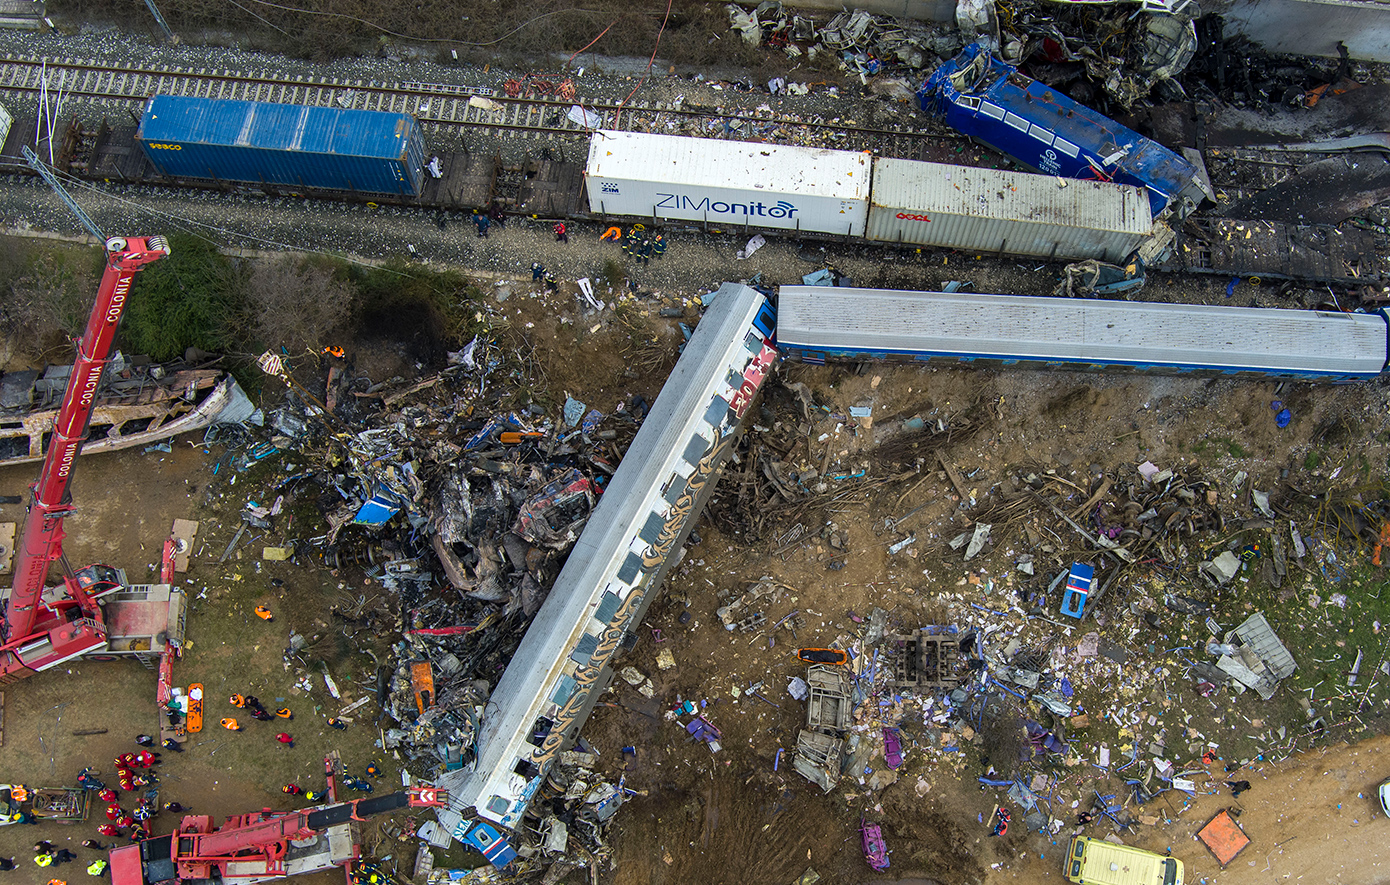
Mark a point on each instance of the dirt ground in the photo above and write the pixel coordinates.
(126, 503)
(739, 815)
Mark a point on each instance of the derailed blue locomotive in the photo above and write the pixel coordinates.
(989, 100)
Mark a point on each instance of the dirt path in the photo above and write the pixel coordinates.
(1311, 819)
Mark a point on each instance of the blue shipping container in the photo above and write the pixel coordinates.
(284, 144)
(984, 98)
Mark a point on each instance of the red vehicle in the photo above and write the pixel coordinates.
(263, 845)
(43, 628)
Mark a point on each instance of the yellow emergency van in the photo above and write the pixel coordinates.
(1097, 862)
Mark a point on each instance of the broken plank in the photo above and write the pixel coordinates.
(1091, 501)
(184, 531)
(954, 477)
(83, 732)
(7, 533)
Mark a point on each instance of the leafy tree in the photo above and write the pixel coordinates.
(188, 299)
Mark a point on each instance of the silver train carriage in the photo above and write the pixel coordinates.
(564, 662)
(816, 324)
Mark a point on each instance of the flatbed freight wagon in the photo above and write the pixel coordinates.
(729, 184)
(283, 145)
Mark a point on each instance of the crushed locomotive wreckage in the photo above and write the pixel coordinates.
(140, 403)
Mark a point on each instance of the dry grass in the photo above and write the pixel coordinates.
(480, 31)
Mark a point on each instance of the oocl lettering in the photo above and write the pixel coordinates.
(686, 203)
(908, 216)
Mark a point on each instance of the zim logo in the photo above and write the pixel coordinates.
(609, 187)
(167, 147)
(910, 217)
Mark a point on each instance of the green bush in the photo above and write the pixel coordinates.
(185, 300)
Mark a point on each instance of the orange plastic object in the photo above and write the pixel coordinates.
(1223, 838)
(823, 656)
(422, 681)
(1383, 540)
(195, 708)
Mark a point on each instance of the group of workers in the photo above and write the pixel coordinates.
(257, 711)
(638, 243)
(46, 855)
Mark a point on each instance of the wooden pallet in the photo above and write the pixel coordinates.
(7, 533)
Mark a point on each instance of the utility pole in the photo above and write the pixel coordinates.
(159, 20)
(47, 174)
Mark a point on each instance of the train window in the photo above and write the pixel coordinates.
(497, 805)
(584, 649)
(752, 343)
(718, 409)
(971, 103)
(1040, 133)
(608, 606)
(564, 687)
(631, 566)
(992, 110)
(1015, 121)
(1066, 147)
(526, 768)
(675, 487)
(766, 321)
(540, 730)
(695, 450)
(651, 530)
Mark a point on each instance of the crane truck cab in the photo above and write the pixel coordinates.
(1098, 862)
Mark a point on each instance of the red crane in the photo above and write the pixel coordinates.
(261, 845)
(39, 634)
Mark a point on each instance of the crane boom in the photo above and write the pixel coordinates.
(37, 636)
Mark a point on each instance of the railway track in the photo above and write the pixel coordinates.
(445, 106)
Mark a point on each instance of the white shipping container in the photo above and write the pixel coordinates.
(992, 210)
(5, 121)
(727, 183)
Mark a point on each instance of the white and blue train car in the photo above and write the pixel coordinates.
(816, 324)
(564, 662)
